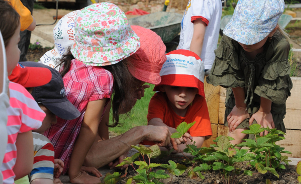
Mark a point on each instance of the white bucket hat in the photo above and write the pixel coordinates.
(63, 34)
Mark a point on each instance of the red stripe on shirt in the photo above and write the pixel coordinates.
(43, 158)
(193, 18)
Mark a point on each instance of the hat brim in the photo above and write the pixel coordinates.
(51, 58)
(181, 80)
(64, 110)
(146, 76)
(247, 34)
(31, 76)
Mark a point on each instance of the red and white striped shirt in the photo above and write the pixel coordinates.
(83, 83)
(24, 114)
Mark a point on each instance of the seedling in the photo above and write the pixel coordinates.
(267, 155)
(182, 129)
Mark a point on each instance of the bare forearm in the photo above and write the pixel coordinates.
(196, 45)
(239, 95)
(159, 122)
(106, 151)
(265, 105)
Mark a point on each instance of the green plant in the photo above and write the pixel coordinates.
(182, 129)
(267, 154)
(38, 6)
(35, 46)
(298, 169)
(144, 171)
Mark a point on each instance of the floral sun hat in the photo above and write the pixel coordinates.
(63, 34)
(103, 35)
(253, 20)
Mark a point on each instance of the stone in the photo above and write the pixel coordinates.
(141, 5)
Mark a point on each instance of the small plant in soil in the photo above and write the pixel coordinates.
(267, 154)
(35, 45)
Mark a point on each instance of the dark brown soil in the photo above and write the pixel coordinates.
(287, 176)
(35, 55)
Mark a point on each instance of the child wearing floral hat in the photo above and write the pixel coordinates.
(181, 98)
(107, 56)
(252, 62)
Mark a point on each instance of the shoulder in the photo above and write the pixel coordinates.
(19, 92)
(279, 47)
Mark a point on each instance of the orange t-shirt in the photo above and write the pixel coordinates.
(198, 112)
(25, 15)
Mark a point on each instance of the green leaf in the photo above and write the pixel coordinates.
(218, 166)
(298, 168)
(129, 181)
(141, 163)
(229, 168)
(299, 179)
(202, 167)
(200, 175)
(155, 151)
(272, 170)
(182, 129)
(176, 135)
(223, 143)
(152, 165)
(128, 160)
(112, 178)
(248, 172)
(255, 129)
(160, 174)
(262, 140)
(142, 149)
(260, 168)
(172, 164)
(241, 152)
(282, 166)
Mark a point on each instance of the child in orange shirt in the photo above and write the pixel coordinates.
(181, 98)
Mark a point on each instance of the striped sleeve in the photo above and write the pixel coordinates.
(43, 164)
(25, 108)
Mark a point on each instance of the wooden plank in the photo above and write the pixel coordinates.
(222, 130)
(292, 119)
(209, 141)
(221, 113)
(292, 143)
(294, 102)
(212, 95)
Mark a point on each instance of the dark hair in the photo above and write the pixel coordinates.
(9, 21)
(124, 85)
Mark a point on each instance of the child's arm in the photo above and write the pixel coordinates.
(238, 113)
(199, 28)
(87, 135)
(263, 116)
(198, 142)
(24, 162)
(32, 26)
(159, 122)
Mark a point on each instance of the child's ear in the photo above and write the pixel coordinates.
(273, 32)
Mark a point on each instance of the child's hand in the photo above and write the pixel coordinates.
(118, 161)
(92, 170)
(237, 115)
(263, 119)
(84, 177)
(58, 167)
(183, 139)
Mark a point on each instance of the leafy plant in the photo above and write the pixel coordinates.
(182, 129)
(298, 169)
(144, 170)
(35, 46)
(267, 154)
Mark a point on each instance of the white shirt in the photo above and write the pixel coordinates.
(210, 11)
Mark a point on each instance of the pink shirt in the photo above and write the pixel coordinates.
(83, 83)
(24, 114)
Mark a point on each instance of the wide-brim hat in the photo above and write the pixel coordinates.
(52, 95)
(63, 35)
(30, 76)
(253, 20)
(183, 68)
(146, 63)
(103, 35)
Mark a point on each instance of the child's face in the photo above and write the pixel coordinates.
(255, 47)
(12, 51)
(180, 97)
(50, 119)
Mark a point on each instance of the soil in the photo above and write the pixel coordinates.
(287, 176)
(35, 55)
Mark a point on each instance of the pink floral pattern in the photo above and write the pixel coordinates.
(103, 31)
